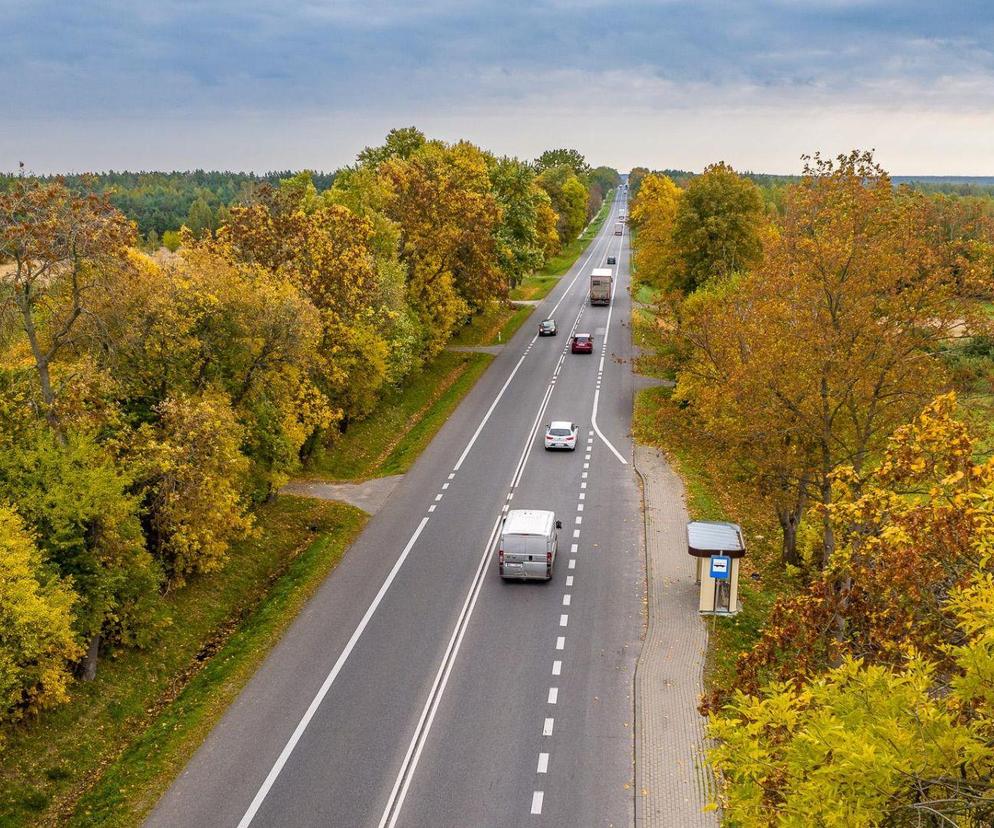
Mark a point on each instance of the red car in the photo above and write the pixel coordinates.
(582, 344)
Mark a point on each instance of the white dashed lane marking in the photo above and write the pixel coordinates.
(563, 620)
(553, 695)
(547, 727)
(557, 668)
(561, 642)
(537, 802)
(543, 763)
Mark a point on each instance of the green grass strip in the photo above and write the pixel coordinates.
(131, 785)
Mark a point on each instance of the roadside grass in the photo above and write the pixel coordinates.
(106, 756)
(538, 285)
(391, 438)
(515, 321)
(483, 328)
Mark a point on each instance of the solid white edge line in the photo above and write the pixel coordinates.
(274, 772)
(597, 392)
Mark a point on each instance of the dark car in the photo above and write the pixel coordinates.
(612, 260)
(583, 343)
(547, 327)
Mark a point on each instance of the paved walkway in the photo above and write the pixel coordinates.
(370, 495)
(476, 349)
(672, 783)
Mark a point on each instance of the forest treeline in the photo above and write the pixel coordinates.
(147, 402)
(810, 337)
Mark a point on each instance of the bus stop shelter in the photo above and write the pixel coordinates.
(718, 547)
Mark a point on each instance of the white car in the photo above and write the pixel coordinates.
(560, 434)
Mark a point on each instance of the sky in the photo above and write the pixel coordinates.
(252, 85)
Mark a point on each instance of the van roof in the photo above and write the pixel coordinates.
(528, 522)
(602, 271)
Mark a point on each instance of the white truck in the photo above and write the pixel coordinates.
(600, 285)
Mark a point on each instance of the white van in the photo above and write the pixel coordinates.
(528, 545)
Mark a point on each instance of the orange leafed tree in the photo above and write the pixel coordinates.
(808, 363)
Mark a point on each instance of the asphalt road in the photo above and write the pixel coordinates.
(417, 688)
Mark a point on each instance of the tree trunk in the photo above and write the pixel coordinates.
(828, 536)
(88, 669)
(790, 521)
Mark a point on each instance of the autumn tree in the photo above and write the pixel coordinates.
(192, 470)
(325, 250)
(205, 321)
(60, 249)
(886, 717)
(717, 227)
(38, 642)
(808, 363)
(653, 213)
(442, 201)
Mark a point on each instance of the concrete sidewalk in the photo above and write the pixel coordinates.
(672, 782)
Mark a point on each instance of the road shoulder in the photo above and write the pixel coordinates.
(672, 782)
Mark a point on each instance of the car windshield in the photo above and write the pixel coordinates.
(560, 432)
(548, 323)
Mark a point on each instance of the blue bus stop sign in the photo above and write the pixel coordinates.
(721, 567)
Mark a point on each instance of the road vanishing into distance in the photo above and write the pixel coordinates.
(419, 689)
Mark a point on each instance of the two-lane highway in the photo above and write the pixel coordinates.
(417, 688)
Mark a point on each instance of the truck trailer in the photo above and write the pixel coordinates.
(600, 286)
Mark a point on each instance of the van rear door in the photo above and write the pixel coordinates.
(524, 556)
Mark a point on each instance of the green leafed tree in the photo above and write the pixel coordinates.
(569, 199)
(718, 226)
(77, 502)
(563, 158)
(200, 219)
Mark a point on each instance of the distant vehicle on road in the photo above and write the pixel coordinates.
(582, 343)
(612, 260)
(621, 216)
(528, 545)
(600, 285)
(547, 327)
(561, 434)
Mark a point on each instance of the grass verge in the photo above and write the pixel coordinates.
(538, 285)
(106, 756)
(658, 421)
(404, 422)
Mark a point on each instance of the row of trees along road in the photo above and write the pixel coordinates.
(807, 346)
(147, 402)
